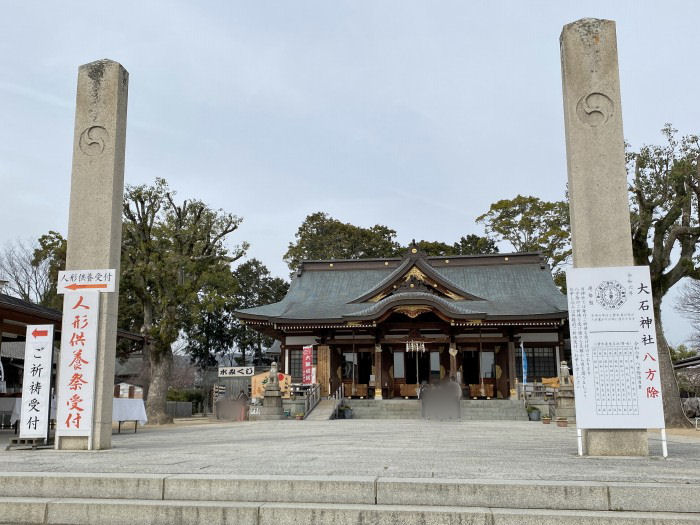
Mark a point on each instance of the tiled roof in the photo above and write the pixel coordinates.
(503, 286)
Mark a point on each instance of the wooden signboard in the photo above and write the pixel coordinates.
(258, 382)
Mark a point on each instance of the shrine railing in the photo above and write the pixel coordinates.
(338, 397)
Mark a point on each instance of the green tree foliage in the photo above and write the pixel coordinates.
(209, 329)
(665, 217)
(681, 352)
(435, 248)
(172, 254)
(469, 245)
(321, 236)
(256, 287)
(475, 245)
(530, 224)
(51, 252)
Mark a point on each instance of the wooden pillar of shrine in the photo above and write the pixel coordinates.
(512, 379)
(453, 360)
(377, 371)
(323, 369)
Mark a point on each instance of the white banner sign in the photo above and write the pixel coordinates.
(72, 281)
(36, 385)
(76, 374)
(613, 347)
(236, 371)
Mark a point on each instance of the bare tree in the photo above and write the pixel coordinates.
(27, 278)
(688, 305)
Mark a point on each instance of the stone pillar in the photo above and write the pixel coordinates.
(599, 209)
(95, 217)
(377, 371)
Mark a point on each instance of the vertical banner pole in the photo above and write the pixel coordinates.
(579, 438)
(48, 426)
(664, 445)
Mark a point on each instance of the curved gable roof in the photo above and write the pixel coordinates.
(493, 286)
(410, 262)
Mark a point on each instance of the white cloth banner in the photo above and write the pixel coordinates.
(613, 348)
(36, 383)
(76, 373)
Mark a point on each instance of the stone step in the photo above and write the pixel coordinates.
(479, 410)
(185, 512)
(323, 411)
(345, 490)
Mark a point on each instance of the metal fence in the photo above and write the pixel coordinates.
(179, 408)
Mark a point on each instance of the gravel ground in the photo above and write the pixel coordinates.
(396, 448)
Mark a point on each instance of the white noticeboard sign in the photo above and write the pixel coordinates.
(613, 347)
(236, 371)
(76, 376)
(36, 385)
(72, 281)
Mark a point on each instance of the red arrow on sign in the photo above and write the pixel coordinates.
(40, 333)
(81, 286)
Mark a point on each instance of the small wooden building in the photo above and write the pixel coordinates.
(382, 327)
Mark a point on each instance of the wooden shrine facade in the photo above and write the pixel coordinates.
(382, 327)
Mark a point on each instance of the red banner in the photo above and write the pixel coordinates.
(307, 364)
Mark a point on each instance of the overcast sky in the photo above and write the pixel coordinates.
(417, 115)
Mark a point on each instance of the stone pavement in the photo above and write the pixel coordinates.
(397, 448)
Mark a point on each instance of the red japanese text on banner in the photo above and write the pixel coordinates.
(76, 376)
(36, 384)
(613, 348)
(307, 363)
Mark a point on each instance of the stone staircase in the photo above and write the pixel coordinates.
(193, 499)
(471, 409)
(323, 411)
(493, 409)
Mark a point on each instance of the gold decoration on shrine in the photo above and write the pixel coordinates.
(452, 295)
(418, 275)
(415, 272)
(412, 311)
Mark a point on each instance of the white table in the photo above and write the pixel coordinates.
(11, 406)
(122, 409)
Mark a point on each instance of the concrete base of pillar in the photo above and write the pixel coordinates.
(615, 442)
(72, 443)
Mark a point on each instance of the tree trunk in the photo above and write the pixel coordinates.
(161, 360)
(673, 411)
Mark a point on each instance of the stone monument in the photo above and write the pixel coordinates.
(564, 400)
(598, 201)
(95, 217)
(272, 398)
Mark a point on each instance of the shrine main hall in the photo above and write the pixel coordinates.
(382, 327)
